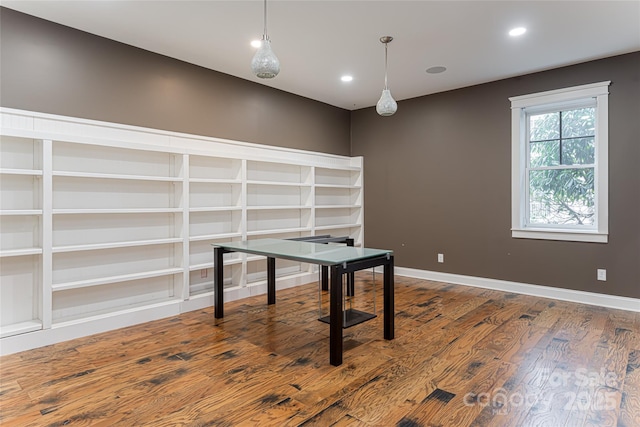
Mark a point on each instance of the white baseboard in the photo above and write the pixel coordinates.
(591, 298)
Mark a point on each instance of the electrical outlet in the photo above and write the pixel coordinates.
(203, 273)
(602, 274)
(440, 257)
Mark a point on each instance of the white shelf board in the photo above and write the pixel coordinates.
(215, 209)
(214, 237)
(114, 279)
(31, 172)
(111, 245)
(340, 168)
(276, 208)
(20, 328)
(116, 176)
(18, 212)
(115, 211)
(279, 183)
(215, 180)
(205, 265)
(338, 206)
(337, 226)
(278, 231)
(20, 252)
(344, 186)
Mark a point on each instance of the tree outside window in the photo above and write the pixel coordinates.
(561, 167)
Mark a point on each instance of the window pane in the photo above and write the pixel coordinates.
(579, 122)
(544, 126)
(579, 151)
(544, 153)
(562, 197)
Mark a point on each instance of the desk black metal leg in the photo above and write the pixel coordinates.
(324, 277)
(351, 284)
(271, 280)
(351, 277)
(335, 317)
(388, 300)
(218, 282)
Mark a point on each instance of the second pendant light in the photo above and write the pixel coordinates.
(386, 106)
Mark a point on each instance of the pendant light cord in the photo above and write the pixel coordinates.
(265, 36)
(385, 66)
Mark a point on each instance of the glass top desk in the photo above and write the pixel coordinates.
(339, 259)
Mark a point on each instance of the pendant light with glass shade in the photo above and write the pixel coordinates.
(386, 106)
(265, 63)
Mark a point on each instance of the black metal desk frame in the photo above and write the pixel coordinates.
(336, 273)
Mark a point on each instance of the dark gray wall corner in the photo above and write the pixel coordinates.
(438, 180)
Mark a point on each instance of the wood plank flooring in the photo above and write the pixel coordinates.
(462, 357)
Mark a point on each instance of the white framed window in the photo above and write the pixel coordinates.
(559, 164)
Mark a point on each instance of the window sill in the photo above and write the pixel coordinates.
(566, 235)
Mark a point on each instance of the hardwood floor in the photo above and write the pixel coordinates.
(462, 357)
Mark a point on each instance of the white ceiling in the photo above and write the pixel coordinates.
(318, 41)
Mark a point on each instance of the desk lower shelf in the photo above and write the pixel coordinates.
(352, 317)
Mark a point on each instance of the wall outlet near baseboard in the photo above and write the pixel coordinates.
(203, 273)
(440, 257)
(602, 274)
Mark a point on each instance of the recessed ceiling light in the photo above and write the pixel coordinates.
(346, 78)
(436, 70)
(256, 43)
(517, 31)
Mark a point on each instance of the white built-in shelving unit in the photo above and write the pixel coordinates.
(106, 225)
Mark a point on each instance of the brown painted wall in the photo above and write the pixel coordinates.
(51, 68)
(438, 180)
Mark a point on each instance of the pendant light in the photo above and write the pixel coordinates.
(386, 106)
(265, 63)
